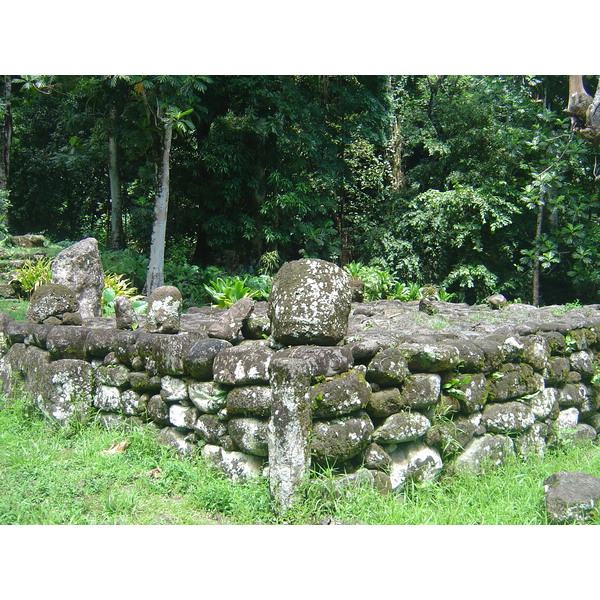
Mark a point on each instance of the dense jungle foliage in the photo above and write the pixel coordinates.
(475, 184)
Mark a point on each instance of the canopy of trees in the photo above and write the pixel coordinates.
(481, 184)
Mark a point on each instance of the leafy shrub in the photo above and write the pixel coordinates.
(269, 263)
(32, 274)
(129, 263)
(226, 291)
(117, 285)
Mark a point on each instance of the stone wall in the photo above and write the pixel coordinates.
(402, 395)
(396, 407)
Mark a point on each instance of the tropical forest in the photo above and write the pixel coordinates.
(473, 185)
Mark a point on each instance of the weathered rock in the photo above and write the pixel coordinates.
(320, 361)
(389, 368)
(544, 403)
(183, 416)
(340, 395)
(207, 396)
(79, 268)
(421, 390)
(310, 303)
(289, 429)
(452, 436)
(51, 300)
(229, 325)
(512, 381)
(416, 462)
(26, 241)
(429, 358)
(142, 382)
(72, 318)
(536, 351)
(533, 441)
(470, 356)
(385, 402)
(163, 354)
(350, 484)
(133, 403)
(474, 394)
(199, 359)
(497, 301)
(573, 395)
(375, 457)
(253, 400)
(402, 427)
(173, 389)
(583, 362)
(249, 435)
(247, 364)
(210, 429)
(66, 342)
(509, 417)
(567, 420)
(158, 410)
(341, 439)
(65, 390)
(484, 452)
(181, 442)
(108, 398)
(364, 351)
(237, 466)
(164, 310)
(571, 497)
(100, 342)
(125, 317)
(115, 375)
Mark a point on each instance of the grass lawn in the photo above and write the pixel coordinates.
(54, 476)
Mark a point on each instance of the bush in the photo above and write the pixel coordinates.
(32, 274)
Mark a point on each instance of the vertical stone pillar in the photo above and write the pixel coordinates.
(289, 429)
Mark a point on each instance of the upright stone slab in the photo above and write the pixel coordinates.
(79, 268)
(310, 303)
(288, 430)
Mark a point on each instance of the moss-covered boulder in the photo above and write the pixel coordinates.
(65, 390)
(164, 310)
(402, 427)
(310, 303)
(51, 300)
(340, 439)
(340, 395)
(388, 368)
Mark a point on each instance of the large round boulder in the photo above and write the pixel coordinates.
(310, 303)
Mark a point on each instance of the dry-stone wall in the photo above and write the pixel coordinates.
(398, 394)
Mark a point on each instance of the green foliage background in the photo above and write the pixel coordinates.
(436, 179)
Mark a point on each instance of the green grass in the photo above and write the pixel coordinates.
(52, 476)
(17, 309)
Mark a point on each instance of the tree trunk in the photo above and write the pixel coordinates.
(584, 111)
(535, 288)
(6, 134)
(156, 267)
(117, 239)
